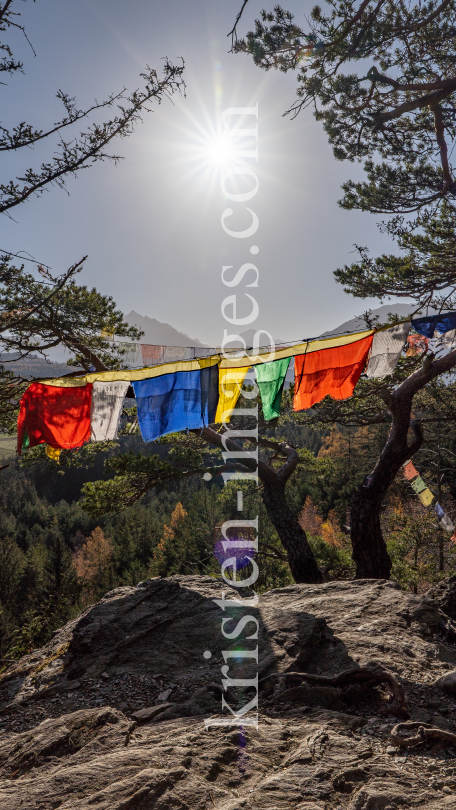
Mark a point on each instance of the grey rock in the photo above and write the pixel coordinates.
(142, 715)
(444, 595)
(448, 683)
(307, 752)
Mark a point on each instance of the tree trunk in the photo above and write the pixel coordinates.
(369, 548)
(301, 560)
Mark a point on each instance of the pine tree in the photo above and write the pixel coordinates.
(380, 77)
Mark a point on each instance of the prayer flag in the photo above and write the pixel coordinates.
(447, 524)
(386, 350)
(330, 372)
(418, 485)
(410, 471)
(438, 510)
(426, 497)
(230, 384)
(179, 401)
(270, 378)
(173, 354)
(152, 355)
(448, 340)
(53, 452)
(440, 323)
(105, 409)
(56, 416)
(131, 356)
(416, 345)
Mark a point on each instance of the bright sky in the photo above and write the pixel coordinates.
(151, 226)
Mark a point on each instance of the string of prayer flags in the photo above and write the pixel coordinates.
(229, 388)
(416, 345)
(387, 346)
(178, 391)
(435, 323)
(330, 372)
(105, 410)
(183, 400)
(271, 378)
(59, 417)
(426, 496)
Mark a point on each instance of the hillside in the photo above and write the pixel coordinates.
(33, 366)
(110, 713)
(157, 333)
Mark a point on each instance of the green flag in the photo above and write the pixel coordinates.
(270, 379)
(418, 485)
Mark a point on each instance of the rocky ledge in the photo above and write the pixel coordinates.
(356, 706)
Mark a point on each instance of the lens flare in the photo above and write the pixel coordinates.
(220, 150)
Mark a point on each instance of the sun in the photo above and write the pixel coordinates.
(219, 150)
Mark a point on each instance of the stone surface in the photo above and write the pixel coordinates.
(69, 737)
(448, 683)
(444, 594)
(142, 715)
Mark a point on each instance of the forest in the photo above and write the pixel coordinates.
(56, 558)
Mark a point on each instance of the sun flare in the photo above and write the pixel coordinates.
(219, 150)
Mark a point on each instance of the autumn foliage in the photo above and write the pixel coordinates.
(93, 559)
(165, 550)
(313, 524)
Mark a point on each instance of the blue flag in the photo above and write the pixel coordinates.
(440, 323)
(179, 401)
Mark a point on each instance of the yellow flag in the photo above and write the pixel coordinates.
(426, 497)
(53, 452)
(230, 384)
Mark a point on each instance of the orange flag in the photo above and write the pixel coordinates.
(417, 344)
(332, 372)
(410, 471)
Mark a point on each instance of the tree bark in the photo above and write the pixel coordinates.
(301, 560)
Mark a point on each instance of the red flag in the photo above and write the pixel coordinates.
(59, 417)
(332, 372)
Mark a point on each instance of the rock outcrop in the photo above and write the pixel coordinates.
(110, 713)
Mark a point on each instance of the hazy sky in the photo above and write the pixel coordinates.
(151, 226)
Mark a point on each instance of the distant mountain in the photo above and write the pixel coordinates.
(160, 334)
(34, 367)
(358, 324)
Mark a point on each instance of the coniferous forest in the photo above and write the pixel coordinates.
(56, 558)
